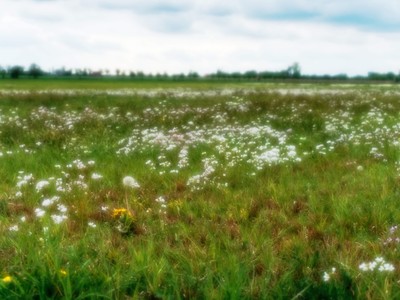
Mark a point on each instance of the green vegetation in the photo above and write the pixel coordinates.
(198, 191)
(291, 73)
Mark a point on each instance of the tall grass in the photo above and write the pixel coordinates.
(288, 187)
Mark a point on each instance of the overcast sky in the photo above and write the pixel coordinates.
(324, 36)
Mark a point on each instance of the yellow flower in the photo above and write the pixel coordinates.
(119, 212)
(175, 204)
(7, 279)
(244, 214)
(63, 272)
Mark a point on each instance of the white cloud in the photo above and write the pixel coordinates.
(179, 36)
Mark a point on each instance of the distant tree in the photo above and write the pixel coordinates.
(341, 76)
(98, 73)
(294, 70)
(3, 72)
(391, 76)
(35, 71)
(382, 76)
(140, 75)
(251, 74)
(179, 77)
(165, 76)
(236, 75)
(16, 71)
(193, 75)
(220, 74)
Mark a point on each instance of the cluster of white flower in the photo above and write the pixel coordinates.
(183, 157)
(378, 264)
(238, 104)
(199, 181)
(39, 212)
(155, 92)
(40, 185)
(92, 224)
(96, 176)
(328, 274)
(163, 204)
(77, 163)
(24, 179)
(393, 236)
(14, 228)
(57, 219)
(375, 153)
(66, 183)
(48, 203)
(269, 157)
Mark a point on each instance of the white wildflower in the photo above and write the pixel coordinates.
(28, 177)
(131, 182)
(160, 200)
(326, 277)
(92, 224)
(386, 267)
(21, 183)
(47, 202)
(39, 212)
(14, 228)
(79, 164)
(41, 184)
(62, 208)
(378, 264)
(96, 176)
(363, 267)
(57, 219)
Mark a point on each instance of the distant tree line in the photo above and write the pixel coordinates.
(17, 71)
(293, 72)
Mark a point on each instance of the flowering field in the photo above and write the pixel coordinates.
(232, 193)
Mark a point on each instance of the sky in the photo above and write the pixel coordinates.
(174, 36)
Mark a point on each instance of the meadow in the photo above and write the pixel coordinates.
(199, 191)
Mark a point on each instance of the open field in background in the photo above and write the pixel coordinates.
(237, 191)
(128, 84)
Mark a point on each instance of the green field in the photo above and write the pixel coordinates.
(235, 191)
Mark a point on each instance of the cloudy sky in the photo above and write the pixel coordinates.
(324, 36)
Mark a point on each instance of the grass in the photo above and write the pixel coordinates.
(243, 195)
(203, 84)
(109, 83)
